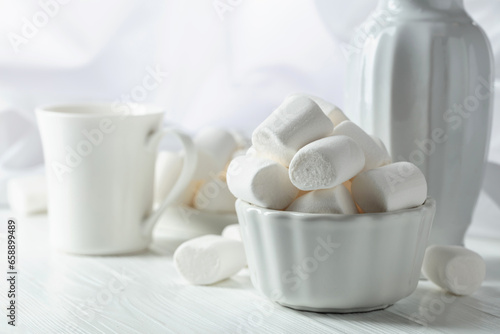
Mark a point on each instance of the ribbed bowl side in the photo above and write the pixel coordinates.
(335, 262)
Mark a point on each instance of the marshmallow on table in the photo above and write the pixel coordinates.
(209, 259)
(392, 187)
(334, 200)
(27, 194)
(295, 123)
(232, 232)
(454, 268)
(374, 154)
(334, 113)
(218, 143)
(214, 196)
(326, 163)
(260, 181)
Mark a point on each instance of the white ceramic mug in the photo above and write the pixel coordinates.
(100, 169)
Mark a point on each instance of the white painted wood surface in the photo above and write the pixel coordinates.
(142, 293)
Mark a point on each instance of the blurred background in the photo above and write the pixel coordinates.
(227, 63)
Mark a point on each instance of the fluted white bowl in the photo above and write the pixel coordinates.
(334, 262)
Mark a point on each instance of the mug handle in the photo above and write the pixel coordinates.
(187, 173)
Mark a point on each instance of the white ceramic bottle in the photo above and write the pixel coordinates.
(420, 77)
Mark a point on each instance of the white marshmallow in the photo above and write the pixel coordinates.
(214, 196)
(326, 163)
(167, 170)
(374, 155)
(238, 153)
(218, 143)
(381, 144)
(251, 151)
(241, 139)
(393, 187)
(334, 200)
(232, 232)
(334, 113)
(209, 259)
(207, 166)
(260, 181)
(169, 167)
(454, 268)
(207, 170)
(295, 123)
(27, 194)
(348, 185)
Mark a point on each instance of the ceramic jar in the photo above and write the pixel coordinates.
(421, 78)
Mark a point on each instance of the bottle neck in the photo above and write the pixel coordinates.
(424, 9)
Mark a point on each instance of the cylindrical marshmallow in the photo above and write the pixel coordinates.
(232, 232)
(334, 113)
(334, 200)
(386, 153)
(218, 143)
(348, 185)
(241, 139)
(27, 194)
(238, 153)
(326, 163)
(260, 181)
(214, 196)
(167, 170)
(295, 123)
(209, 259)
(454, 268)
(392, 187)
(375, 156)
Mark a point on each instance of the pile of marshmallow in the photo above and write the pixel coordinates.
(307, 156)
(207, 191)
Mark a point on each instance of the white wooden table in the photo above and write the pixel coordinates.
(59, 293)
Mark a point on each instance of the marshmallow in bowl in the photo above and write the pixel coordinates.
(392, 187)
(260, 181)
(348, 185)
(334, 113)
(242, 141)
(214, 196)
(334, 200)
(295, 123)
(209, 259)
(326, 163)
(374, 154)
(232, 232)
(381, 144)
(454, 268)
(220, 144)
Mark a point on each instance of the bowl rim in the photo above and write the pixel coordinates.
(429, 203)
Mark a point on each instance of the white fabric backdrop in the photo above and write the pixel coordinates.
(229, 68)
